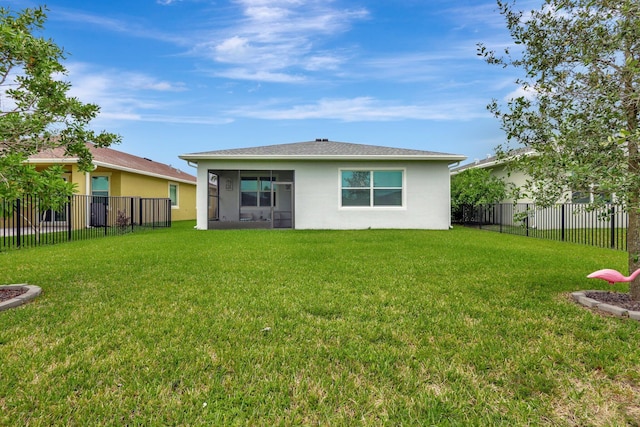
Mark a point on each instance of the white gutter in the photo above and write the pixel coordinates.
(450, 158)
(87, 191)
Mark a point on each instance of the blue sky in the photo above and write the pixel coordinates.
(183, 76)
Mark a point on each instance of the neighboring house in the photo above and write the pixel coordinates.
(121, 174)
(498, 168)
(565, 215)
(323, 184)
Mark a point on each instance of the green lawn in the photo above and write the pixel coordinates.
(261, 327)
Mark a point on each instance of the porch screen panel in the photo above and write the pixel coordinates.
(249, 191)
(212, 211)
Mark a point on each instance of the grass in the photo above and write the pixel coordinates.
(600, 237)
(399, 327)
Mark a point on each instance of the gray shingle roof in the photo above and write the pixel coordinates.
(320, 149)
(492, 160)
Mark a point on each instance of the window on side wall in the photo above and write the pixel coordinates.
(173, 195)
(371, 188)
(100, 189)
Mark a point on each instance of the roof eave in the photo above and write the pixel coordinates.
(431, 157)
(141, 172)
(74, 160)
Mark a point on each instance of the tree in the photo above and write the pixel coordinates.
(580, 102)
(474, 187)
(36, 113)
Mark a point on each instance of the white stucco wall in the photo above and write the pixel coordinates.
(317, 194)
(516, 178)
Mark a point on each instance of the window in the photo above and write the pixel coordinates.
(580, 197)
(371, 188)
(590, 196)
(173, 194)
(256, 191)
(100, 189)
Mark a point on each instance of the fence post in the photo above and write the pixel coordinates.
(18, 223)
(131, 216)
(69, 234)
(613, 226)
(563, 220)
(140, 213)
(526, 219)
(501, 215)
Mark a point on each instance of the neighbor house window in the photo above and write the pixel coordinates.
(256, 191)
(591, 196)
(371, 187)
(580, 197)
(173, 194)
(100, 188)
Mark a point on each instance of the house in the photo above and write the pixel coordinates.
(121, 174)
(499, 168)
(571, 211)
(323, 184)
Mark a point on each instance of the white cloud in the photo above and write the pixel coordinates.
(130, 27)
(121, 95)
(259, 75)
(366, 109)
(277, 38)
(528, 92)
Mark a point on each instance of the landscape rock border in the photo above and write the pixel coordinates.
(32, 292)
(581, 298)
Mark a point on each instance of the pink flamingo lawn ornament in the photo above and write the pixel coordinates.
(613, 276)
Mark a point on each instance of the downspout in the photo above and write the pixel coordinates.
(87, 190)
(87, 183)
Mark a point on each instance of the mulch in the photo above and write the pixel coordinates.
(7, 294)
(618, 299)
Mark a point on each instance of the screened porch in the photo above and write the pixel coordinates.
(250, 199)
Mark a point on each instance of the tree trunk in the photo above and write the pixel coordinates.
(630, 104)
(633, 249)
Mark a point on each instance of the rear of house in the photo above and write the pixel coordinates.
(323, 184)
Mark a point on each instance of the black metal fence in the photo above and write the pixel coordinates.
(578, 223)
(24, 222)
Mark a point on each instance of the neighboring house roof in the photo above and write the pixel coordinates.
(323, 149)
(110, 158)
(491, 161)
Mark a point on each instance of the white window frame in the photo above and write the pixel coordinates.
(371, 206)
(177, 205)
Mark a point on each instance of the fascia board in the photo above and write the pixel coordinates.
(448, 158)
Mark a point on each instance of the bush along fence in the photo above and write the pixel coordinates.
(24, 222)
(578, 223)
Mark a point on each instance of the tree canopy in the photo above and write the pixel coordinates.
(36, 112)
(579, 103)
(474, 187)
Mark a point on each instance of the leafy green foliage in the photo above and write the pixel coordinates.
(36, 113)
(579, 107)
(475, 187)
